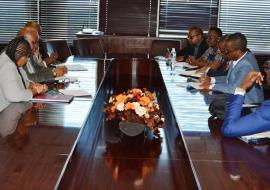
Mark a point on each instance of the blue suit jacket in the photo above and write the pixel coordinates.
(236, 75)
(234, 125)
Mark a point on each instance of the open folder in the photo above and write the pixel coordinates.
(49, 98)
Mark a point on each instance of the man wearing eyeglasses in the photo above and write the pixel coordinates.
(234, 125)
(242, 62)
(196, 47)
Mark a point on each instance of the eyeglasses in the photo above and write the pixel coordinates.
(191, 37)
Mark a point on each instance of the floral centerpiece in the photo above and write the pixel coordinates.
(136, 106)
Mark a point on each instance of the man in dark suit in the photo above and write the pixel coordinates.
(234, 125)
(196, 47)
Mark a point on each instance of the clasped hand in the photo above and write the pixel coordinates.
(251, 78)
(37, 88)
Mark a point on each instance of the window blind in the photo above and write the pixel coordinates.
(63, 19)
(177, 16)
(14, 15)
(250, 17)
(128, 17)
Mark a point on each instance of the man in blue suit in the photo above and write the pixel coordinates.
(234, 125)
(242, 62)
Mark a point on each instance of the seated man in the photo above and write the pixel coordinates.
(243, 62)
(218, 68)
(35, 72)
(210, 58)
(196, 47)
(234, 125)
(43, 59)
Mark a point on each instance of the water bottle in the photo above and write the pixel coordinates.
(173, 55)
(173, 59)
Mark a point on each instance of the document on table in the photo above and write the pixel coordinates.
(184, 64)
(74, 67)
(75, 92)
(191, 73)
(258, 135)
(257, 139)
(66, 79)
(161, 58)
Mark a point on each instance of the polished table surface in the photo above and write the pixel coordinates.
(71, 146)
(219, 163)
(37, 139)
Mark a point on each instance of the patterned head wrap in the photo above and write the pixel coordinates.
(17, 48)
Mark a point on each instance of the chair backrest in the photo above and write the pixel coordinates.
(60, 47)
(88, 47)
(159, 47)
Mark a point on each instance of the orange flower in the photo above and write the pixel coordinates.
(144, 101)
(129, 106)
(113, 109)
(121, 98)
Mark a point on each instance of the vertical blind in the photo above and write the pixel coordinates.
(14, 15)
(63, 19)
(176, 16)
(250, 17)
(128, 17)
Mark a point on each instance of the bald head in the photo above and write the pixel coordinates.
(31, 35)
(34, 25)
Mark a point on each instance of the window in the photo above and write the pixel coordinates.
(14, 15)
(176, 16)
(63, 19)
(250, 17)
(128, 17)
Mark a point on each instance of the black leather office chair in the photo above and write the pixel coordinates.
(88, 47)
(60, 47)
(159, 47)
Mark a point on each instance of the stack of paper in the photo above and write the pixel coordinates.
(66, 79)
(75, 92)
(184, 64)
(74, 67)
(257, 139)
(258, 135)
(161, 58)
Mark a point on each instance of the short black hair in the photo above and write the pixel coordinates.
(217, 30)
(239, 41)
(196, 28)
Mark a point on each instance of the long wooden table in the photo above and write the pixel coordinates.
(38, 139)
(71, 146)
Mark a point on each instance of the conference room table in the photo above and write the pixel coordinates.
(72, 146)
